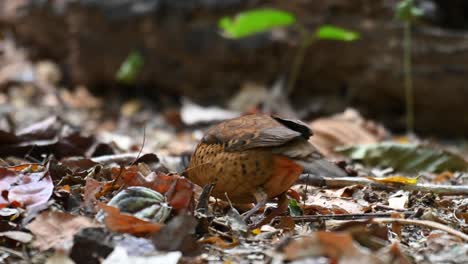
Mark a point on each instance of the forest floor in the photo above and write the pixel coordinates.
(65, 153)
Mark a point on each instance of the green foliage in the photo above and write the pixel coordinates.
(335, 33)
(255, 21)
(130, 68)
(294, 208)
(410, 158)
(406, 11)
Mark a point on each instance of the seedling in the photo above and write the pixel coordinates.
(408, 13)
(256, 21)
(130, 68)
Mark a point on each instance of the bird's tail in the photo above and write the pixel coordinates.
(320, 168)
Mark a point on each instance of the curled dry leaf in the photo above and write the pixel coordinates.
(53, 229)
(91, 189)
(7, 178)
(337, 246)
(28, 190)
(19, 236)
(178, 190)
(397, 179)
(347, 128)
(125, 223)
(121, 256)
(219, 242)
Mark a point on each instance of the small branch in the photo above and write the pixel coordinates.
(429, 224)
(313, 218)
(348, 181)
(306, 40)
(408, 76)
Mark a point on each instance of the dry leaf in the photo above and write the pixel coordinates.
(347, 128)
(339, 247)
(178, 190)
(53, 229)
(219, 242)
(399, 200)
(126, 223)
(397, 179)
(121, 256)
(19, 236)
(32, 190)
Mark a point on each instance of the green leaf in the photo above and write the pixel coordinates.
(294, 208)
(409, 158)
(255, 21)
(130, 68)
(406, 11)
(336, 33)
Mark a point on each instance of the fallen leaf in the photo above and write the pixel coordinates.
(126, 223)
(19, 236)
(178, 235)
(91, 188)
(59, 258)
(331, 202)
(345, 129)
(192, 114)
(54, 229)
(32, 190)
(397, 179)
(219, 242)
(444, 177)
(30, 167)
(409, 158)
(178, 190)
(339, 247)
(121, 256)
(399, 200)
(7, 178)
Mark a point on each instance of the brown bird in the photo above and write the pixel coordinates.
(255, 158)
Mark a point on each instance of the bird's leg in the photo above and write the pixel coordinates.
(282, 207)
(261, 198)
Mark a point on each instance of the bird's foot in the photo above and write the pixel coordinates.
(271, 214)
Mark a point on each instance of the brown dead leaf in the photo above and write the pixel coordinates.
(287, 223)
(91, 189)
(178, 235)
(219, 242)
(178, 190)
(126, 223)
(444, 177)
(31, 167)
(339, 247)
(53, 229)
(7, 178)
(332, 202)
(347, 128)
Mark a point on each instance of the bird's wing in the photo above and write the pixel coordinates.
(254, 131)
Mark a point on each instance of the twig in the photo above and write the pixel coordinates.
(348, 181)
(12, 252)
(313, 218)
(407, 69)
(142, 146)
(306, 40)
(426, 223)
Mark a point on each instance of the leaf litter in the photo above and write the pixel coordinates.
(61, 163)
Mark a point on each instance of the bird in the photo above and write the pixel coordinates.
(255, 158)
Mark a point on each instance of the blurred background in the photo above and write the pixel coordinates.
(97, 63)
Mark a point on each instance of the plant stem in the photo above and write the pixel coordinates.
(348, 181)
(306, 40)
(408, 76)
